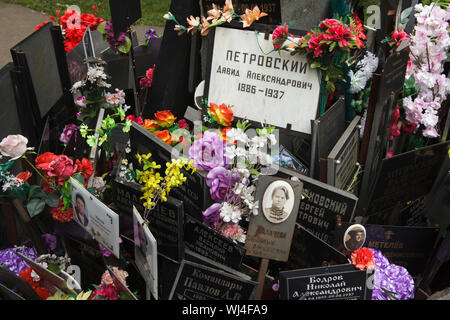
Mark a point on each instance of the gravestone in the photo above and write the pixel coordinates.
(9, 116)
(124, 14)
(410, 247)
(196, 282)
(343, 158)
(171, 78)
(304, 14)
(341, 282)
(308, 251)
(405, 177)
(207, 242)
(414, 213)
(322, 207)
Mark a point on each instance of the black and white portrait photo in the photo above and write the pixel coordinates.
(354, 237)
(278, 201)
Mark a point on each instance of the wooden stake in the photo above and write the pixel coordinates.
(261, 278)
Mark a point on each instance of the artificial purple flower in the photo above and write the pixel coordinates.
(50, 241)
(208, 152)
(112, 40)
(221, 181)
(67, 133)
(13, 262)
(391, 277)
(106, 252)
(212, 215)
(151, 33)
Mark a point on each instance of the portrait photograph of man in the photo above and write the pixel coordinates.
(354, 237)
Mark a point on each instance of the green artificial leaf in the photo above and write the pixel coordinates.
(92, 190)
(254, 172)
(6, 166)
(315, 65)
(330, 87)
(332, 46)
(51, 199)
(404, 17)
(101, 27)
(35, 206)
(126, 47)
(34, 190)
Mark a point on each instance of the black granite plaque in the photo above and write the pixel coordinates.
(196, 282)
(322, 206)
(271, 7)
(405, 177)
(9, 117)
(341, 282)
(409, 247)
(414, 213)
(194, 193)
(166, 219)
(207, 242)
(124, 14)
(13, 282)
(308, 251)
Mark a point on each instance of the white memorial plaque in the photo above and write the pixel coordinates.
(145, 253)
(278, 89)
(95, 217)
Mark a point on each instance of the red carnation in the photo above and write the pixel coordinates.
(43, 161)
(363, 259)
(279, 36)
(85, 167)
(62, 215)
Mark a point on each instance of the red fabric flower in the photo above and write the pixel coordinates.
(165, 118)
(85, 167)
(62, 168)
(164, 136)
(89, 20)
(151, 125)
(363, 259)
(398, 36)
(36, 285)
(279, 36)
(132, 118)
(24, 176)
(43, 161)
(62, 215)
(408, 127)
(106, 291)
(221, 114)
(183, 124)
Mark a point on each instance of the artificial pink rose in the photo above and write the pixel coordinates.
(67, 133)
(14, 146)
(99, 184)
(279, 36)
(62, 168)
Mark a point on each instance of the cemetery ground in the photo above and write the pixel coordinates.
(152, 11)
(12, 31)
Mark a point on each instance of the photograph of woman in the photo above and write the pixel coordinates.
(81, 210)
(278, 201)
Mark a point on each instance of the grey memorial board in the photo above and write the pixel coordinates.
(410, 247)
(270, 232)
(197, 282)
(406, 177)
(262, 87)
(194, 193)
(323, 205)
(209, 243)
(340, 282)
(343, 158)
(41, 59)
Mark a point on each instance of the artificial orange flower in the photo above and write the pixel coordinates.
(214, 14)
(193, 22)
(228, 11)
(205, 26)
(221, 114)
(165, 118)
(164, 136)
(151, 125)
(251, 15)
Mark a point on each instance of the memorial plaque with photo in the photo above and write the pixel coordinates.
(322, 206)
(308, 251)
(262, 88)
(41, 59)
(341, 282)
(406, 177)
(194, 193)
(409, 247)
(343, 158)
(271, 7)
(207, 242)
(196, 282)
(270, 232)
(166, 219)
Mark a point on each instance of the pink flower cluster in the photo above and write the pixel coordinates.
(429, 46)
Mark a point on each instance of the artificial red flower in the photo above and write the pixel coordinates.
(183, 124)
(221, 114)
(36, 285)
(408, 127)
(132, 118)
(40, 25)
(363, 259)
(85, 167)
(164, 136)
(43, 161)
(62, 215)
(90, 20)
(57, 12)
(165, 118)
(279, 36)
(62, 168)
(151, 125)
(398, 36)
(24, 176)
(105, 292)
(149, 73)
(70, 17)
(145, 82)
(328, 23)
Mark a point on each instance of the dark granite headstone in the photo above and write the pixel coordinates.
(124, 14)
(9, 117)
(341, 282)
